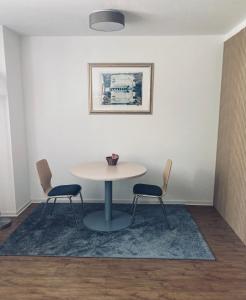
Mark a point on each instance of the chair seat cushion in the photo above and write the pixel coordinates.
(147, 189)
(66, 190)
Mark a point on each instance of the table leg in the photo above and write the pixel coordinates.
(108, 201)
(107, 220)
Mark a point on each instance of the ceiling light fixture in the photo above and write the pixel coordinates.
(107, 20)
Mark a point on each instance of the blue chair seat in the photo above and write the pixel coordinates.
(65, 190)
(147, 189)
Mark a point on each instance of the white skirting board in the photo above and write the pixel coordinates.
(123, 201)
(17, 213)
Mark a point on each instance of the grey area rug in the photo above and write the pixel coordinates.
(148, 237)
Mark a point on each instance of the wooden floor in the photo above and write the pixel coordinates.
(89, 278)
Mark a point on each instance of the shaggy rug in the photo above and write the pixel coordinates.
(148, 237)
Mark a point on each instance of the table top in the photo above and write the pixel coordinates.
(102, 171)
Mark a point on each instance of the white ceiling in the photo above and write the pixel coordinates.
(143, 17)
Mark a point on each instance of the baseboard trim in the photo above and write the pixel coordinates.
(120, 201)
(125, 201)
(18, 212)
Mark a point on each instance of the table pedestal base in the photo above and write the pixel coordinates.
(96, 221)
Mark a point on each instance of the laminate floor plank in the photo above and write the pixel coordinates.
(37, 278)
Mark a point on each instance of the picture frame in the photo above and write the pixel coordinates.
(120, 88)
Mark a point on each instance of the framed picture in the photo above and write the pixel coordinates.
(120, 88)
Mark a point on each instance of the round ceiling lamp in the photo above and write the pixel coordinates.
(107, 20)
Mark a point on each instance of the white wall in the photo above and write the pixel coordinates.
(7, 192)
(14, 180)
(17, 119)
(183, 125)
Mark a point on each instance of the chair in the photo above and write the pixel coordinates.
(153, 191)
(60, 191)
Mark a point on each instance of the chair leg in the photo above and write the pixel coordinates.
(164, 211)
(133, 203)
(72, 209)
(53, 207)
(44, 209)
(134, 209)
(82, 202)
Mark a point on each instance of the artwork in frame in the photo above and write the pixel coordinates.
(120, 88)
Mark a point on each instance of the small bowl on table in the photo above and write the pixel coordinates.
(112, 161)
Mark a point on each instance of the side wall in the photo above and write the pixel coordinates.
(230, 181)
(14, 179)
(183, 125)
(17, 118)
(7, 191)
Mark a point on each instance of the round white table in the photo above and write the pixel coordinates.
(108, 220)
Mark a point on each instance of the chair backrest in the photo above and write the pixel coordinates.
(166, 175)
(44, 175)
